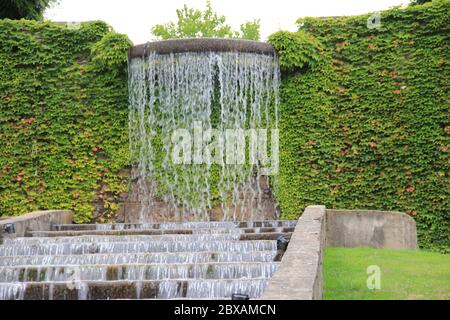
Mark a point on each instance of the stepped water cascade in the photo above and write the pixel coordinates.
(199, 89)
(187, 260)
(223, 100)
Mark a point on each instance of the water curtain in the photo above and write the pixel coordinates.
(187, 112)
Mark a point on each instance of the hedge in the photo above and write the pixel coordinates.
(366, 125)
(63, 118)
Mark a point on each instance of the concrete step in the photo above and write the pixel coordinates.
(139, 258)
(152, 289)
(177, 225)
(76, 233)
(123, 238)
(135, 247)
(138, 272)
(143, 235)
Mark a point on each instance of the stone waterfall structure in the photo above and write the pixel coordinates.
(234, 246)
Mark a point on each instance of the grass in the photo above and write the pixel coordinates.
(405, 274)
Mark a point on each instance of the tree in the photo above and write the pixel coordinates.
(26, 9)
(194, 23)
(250, 30)
(414, 2)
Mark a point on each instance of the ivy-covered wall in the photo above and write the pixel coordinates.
(63, 118)
(365, 116)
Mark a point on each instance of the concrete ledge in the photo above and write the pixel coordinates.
(34, 221)
(376, 229)
(202, 45)
(299, 276)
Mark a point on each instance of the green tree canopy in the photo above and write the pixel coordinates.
(195, 23)
(414, 2)
(26, 9)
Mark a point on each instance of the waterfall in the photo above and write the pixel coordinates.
(210, 96)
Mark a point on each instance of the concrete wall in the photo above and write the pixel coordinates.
(34, 221)
(376, 229)
(299, 276)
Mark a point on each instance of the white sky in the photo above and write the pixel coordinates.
(136, 17)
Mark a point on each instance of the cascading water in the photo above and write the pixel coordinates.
(210, 261)
(137, 272)
(211, 96)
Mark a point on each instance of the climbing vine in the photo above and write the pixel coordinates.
(296, 50)
(363, 117)
(63, 118)
(368, 126)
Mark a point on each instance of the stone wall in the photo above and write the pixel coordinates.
(300, 274)
(155, 209)
(33, 221)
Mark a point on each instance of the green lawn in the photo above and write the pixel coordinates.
(405, 274)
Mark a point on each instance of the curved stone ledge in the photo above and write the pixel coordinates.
(202, 45)
(369, 228)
